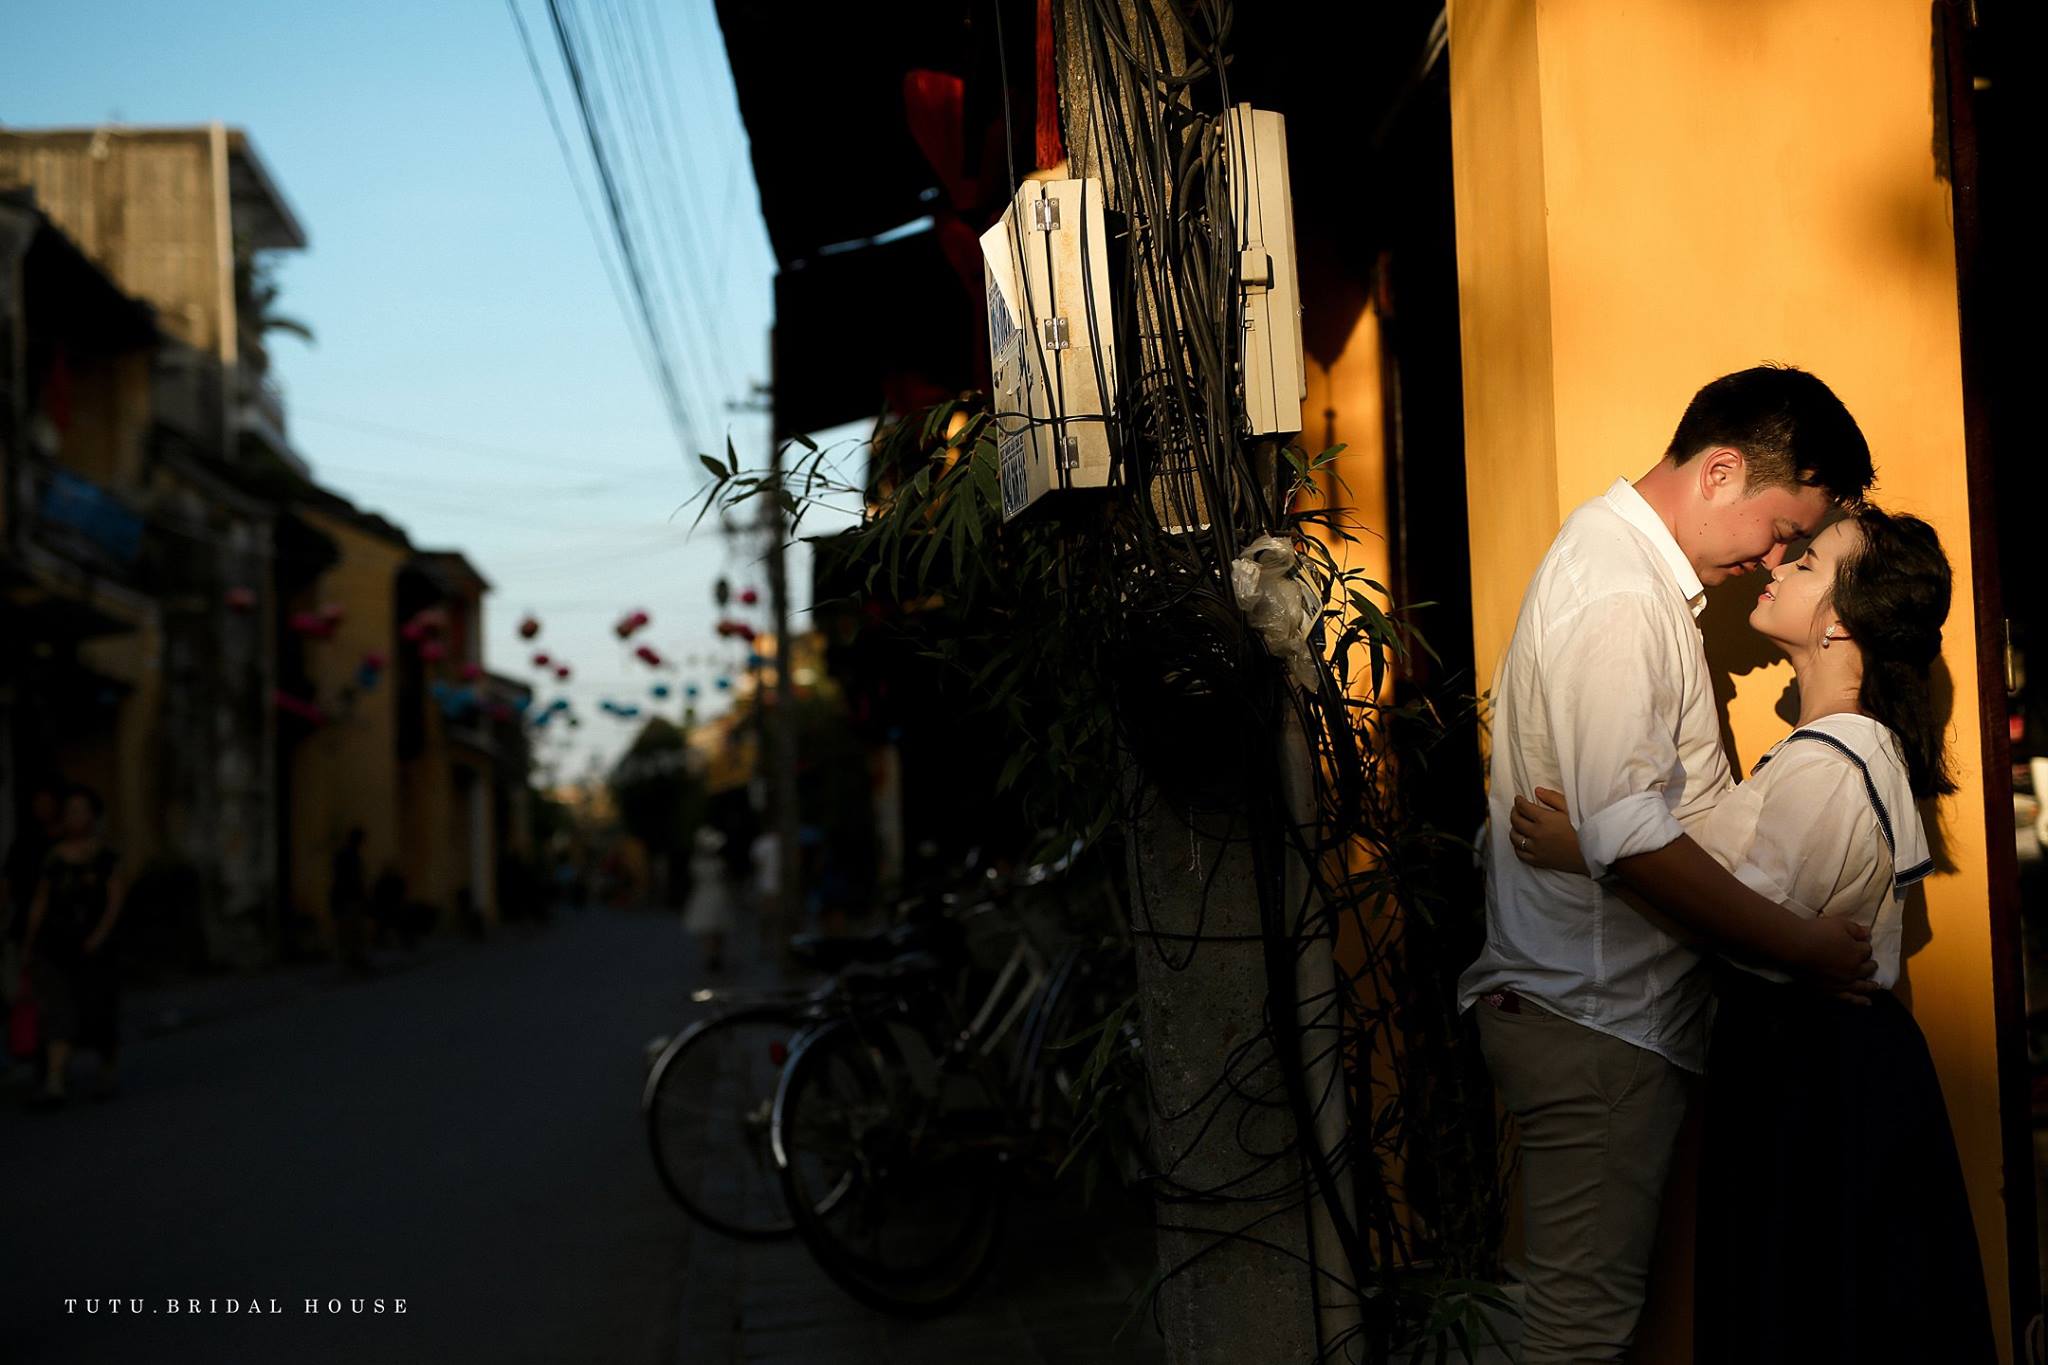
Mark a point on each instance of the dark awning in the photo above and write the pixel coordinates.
(872, 209)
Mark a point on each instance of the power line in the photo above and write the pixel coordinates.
(628, 254)
(670, 112)
(637, 188)
(456, 444)
(611, 269)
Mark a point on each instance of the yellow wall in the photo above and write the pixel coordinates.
(435, 836)
(1653, 194)
(346, 773)
(1343, 407)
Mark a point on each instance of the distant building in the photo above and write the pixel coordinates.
(80, 629)
(247, 665)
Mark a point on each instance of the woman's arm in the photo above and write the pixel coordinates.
(1542, 834)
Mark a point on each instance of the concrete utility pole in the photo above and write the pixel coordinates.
(1239, 1242)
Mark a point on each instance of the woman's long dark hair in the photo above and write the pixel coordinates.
(1892, 596)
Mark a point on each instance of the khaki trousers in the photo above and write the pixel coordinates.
(1598, 1118)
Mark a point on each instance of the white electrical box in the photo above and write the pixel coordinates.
(1262, 208)
(1046, 267)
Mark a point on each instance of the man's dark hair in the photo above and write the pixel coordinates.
(1790, 428)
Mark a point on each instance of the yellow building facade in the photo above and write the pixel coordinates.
(1652, 195)
(343, 775)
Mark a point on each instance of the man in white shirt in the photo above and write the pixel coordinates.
(1590, 1014)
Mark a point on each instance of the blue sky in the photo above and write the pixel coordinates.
(456, 292)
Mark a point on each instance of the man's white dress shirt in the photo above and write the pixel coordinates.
(1826, 825)
(1604, 695)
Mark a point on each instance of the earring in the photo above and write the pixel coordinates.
(1827, 637)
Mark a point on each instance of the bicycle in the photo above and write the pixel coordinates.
(708, 1096)
(896, 1140)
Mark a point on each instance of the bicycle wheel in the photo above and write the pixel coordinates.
(708, 1102)
(920, 1193)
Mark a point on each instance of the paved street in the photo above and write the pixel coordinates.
(461, 1133)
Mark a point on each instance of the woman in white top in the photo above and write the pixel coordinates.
(1833, 1221)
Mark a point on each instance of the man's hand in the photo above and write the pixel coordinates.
(1835, 959)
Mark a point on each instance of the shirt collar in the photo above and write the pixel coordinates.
(1630, 506)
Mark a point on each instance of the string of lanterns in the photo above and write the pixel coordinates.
(465, 693)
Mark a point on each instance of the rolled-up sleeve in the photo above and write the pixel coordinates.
(1612, 698)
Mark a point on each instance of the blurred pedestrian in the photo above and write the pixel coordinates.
(708, 915)
(21, 873)
(348, 901)
(70, 946)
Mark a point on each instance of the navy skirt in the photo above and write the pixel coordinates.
(1833, 1221)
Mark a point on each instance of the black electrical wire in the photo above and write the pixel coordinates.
(628, 253)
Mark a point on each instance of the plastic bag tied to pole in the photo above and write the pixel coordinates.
(1281, 608)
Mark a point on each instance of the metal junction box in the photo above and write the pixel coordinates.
(1046, 267)
(1263, 209)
